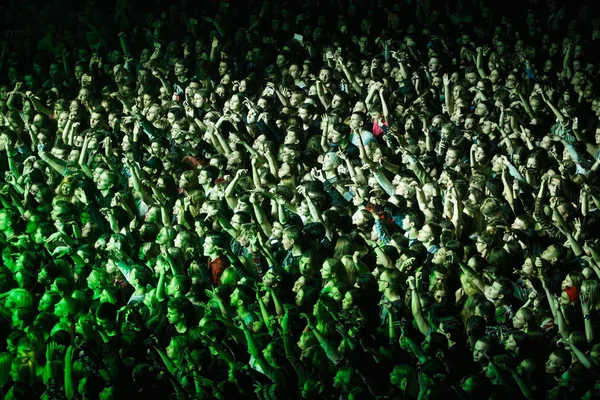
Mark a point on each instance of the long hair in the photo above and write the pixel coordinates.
(351, 270)
(26, 370)
(338, 268)
(576, 278)
(408, 373)
(180, 343)
(71, 180)
(592, 289)
(6, 360)
(468, 309)
(523, 342)
(325, 321)
(345, 246)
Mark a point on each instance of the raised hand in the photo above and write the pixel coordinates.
(317, 173)
(50, 349)
(539, 264)
(240, 173)
(533, 295)
(308, 319)
(584, 298)
(212, 295)
(69, 355)
(446, 79)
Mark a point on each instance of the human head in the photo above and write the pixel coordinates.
(292, 236)
(8, 220)
(389, 280)
(553, 254)
(481, 349)
(180, 311)
(516, 342)
(179, 285)
(523, 319)
(414, 219)
(558, 362)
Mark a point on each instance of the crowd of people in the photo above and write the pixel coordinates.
(319, 199)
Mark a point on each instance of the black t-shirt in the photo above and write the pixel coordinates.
(177, 86)
(460, 361)
(351, 150)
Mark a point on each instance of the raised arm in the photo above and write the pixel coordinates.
(415, 307)
(449, 101)
(323, 98)
(384, 106)
(349, 76)
(474, 276)
(545, 96)
(51, 161)
(271, 372)
(554, 306)
(261, 217)
(479, 62)
(230, 197)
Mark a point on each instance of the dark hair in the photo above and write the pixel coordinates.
(311, 109)
(245, 294)
(437, 341)
(184, 282)
(436, 231)
(106, 311)
(342, 129)
(506, 287)
(417, 217)
(522, 339)
(487, 310)
(143, 275)
(366, 282)
(316, 230)
(495, 186)
(216, 238)
(184, 307)
(453, 327)
(395, 280)
(294, 233)
(211, 171)
(564, 355)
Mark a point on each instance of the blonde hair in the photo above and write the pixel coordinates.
(592, 287)
(469, 288)
(468, 309)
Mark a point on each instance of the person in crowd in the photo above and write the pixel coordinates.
(277, 200)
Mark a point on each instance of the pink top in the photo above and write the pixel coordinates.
(377, 129)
